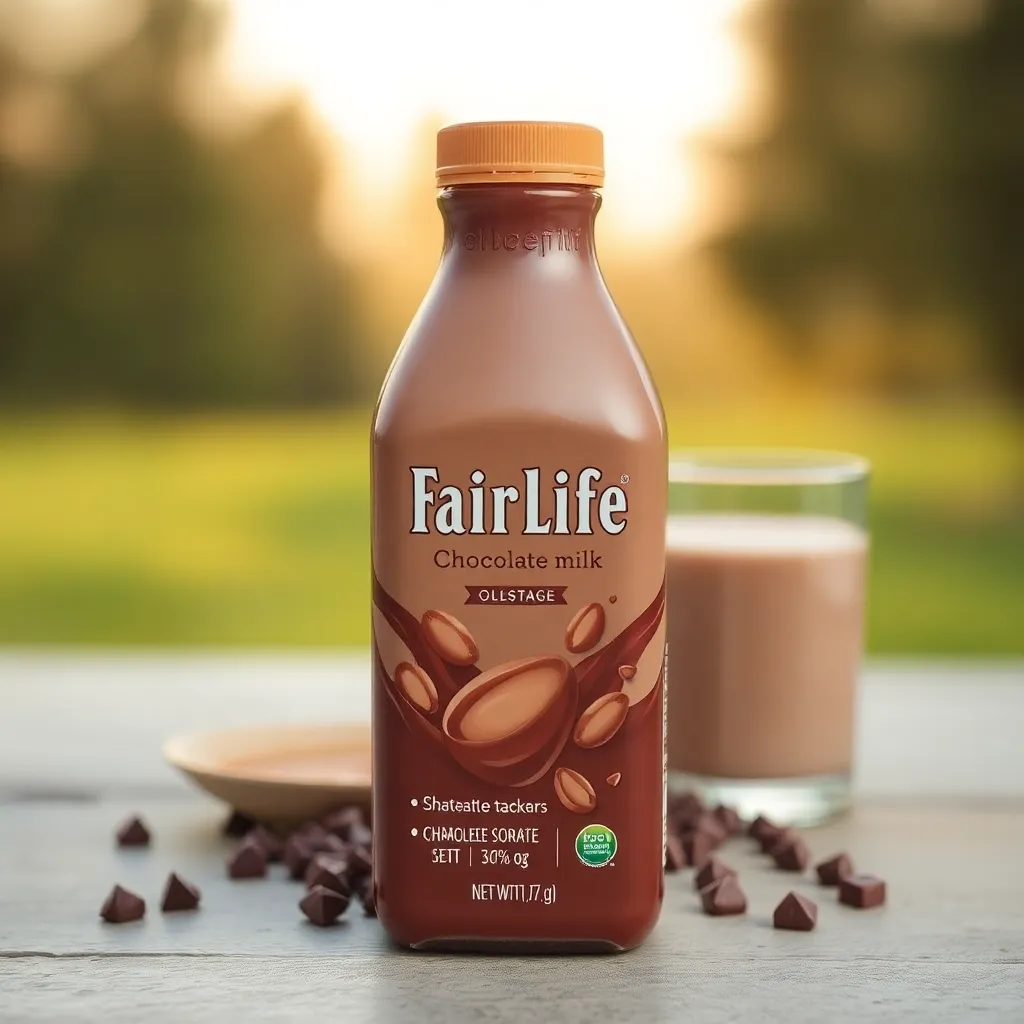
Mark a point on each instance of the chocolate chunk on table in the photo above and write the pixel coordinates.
(122, 906)
(249, 860)
(796, 913)
(761, 826)
(724, 898)
(698, 847)
(133, 832)
(862, 891)
(238, 824)
(179, 895)
(791, 854)
(711, 827)
(323, 906)
(342, 821)
(330, 871)
(368, 898)
(835, 869)
(675, 855)
(729, 819)
(360, 864)
(272, 844)
(713, 871)
(298, 852)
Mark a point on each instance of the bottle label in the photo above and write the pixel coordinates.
(519, 654)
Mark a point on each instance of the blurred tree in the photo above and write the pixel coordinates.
(149, 259)
(890, 171)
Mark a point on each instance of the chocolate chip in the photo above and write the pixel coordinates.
(360, 864)
(360, 835)
(333, 844)
(712, 827)
(249, 860)
(368, 898)
(340, 822)
(313, 832)
(323, 906)
(685, 808)
(862, 891)
(238, 824)
(272, 844)
(835, 869)
(761, 827)
(298, 852)
(329, 871)
(729, 819)
(179, 895)
(698, 847)
(791, 854)
(769, 839)
(713, 871)
(133, 832)
(723, 898)
(675, 855)
(796, 913)
(122, 906)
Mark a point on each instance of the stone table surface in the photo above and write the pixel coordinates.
(940, 815)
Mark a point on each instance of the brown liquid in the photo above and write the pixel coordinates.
(765, 623)
(518, 372)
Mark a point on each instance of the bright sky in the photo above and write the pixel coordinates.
(649, 73)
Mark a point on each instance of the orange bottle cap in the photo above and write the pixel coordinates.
(525, 151)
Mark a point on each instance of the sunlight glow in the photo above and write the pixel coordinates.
(648, 73)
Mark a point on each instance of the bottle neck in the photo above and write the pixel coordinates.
(543, 222)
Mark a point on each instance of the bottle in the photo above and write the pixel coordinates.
(519, 496)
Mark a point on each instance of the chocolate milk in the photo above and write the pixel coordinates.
(765, 623)
(519, 494)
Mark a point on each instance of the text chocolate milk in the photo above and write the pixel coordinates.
(519, 494)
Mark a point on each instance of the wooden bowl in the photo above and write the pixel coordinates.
(280, 774)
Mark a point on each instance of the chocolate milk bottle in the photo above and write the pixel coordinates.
(519, 494)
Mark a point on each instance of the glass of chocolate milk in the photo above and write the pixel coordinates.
(767, 555)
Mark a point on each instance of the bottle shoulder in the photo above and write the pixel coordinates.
(498, 352)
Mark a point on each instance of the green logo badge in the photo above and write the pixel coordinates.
(596, 845)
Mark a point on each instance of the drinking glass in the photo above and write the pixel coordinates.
(767, 559)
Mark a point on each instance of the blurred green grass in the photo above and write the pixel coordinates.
(252, 530)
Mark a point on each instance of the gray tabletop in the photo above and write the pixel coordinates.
(940, 815)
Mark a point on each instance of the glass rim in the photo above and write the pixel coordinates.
(766, 467)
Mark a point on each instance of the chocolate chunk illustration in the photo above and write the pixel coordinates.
(585, 628)
(450, 638)
(601, 721)
(509, 724)
(417, 687)
(574, 791)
